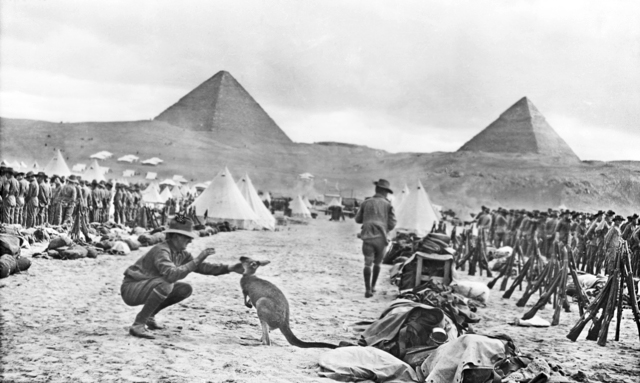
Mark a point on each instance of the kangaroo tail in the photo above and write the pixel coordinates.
(294, 341)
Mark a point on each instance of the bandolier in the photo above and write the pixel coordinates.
(592, 241)
(44, 199)
(550, 230)
(19, 215)
(67, 196)
(610, 245)
(581, 241)
(500, 227)
(9, 194)
(54, 207)
(118, 204)
(96, 201)
(106, 202)
(31, 201)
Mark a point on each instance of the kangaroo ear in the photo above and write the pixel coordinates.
(264, 263)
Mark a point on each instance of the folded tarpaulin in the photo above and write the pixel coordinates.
(355, 364)
(394, 316)
(9, 244)
(468, 352)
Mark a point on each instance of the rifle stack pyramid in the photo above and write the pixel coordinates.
(521, 129)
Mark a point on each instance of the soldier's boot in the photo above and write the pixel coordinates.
(180, 292)
(138, 327)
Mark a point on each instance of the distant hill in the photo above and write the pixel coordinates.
(463, 180)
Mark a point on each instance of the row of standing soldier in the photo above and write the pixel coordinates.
(594, 238)
(32, 199)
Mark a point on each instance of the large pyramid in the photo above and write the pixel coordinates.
(221, 105)
(520, 129)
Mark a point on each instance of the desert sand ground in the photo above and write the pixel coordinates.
(64, 321)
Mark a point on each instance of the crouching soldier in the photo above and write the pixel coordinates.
(153, 280)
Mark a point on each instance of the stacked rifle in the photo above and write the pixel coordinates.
(610, 300)
(474, 253)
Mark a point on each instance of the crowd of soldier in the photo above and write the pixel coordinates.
(593, 238)
(33, 199)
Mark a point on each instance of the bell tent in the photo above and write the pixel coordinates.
(57, 166)
(150, 195)
(416, 213)
(267, 220)
(176, 193)
(299, 209)
(94, 172)
(222, 201)
(166, 194)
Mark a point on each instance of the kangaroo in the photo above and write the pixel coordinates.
(272, 305)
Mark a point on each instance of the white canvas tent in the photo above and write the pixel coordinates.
(399, 197)
(267, 220)
(94, 172)
(152, 161)
(336, 201)
(128, 158)
(35, 167)
(23, 165)
(179, 179)
(151, 195)
(79, 168)
(103, 155)
(128, 173)
(57, 166)
(306, 202)
(151, 176)
(185, 189)
(176, 193)
(222, 201)
(166, 194)
(299, 209)
(416, 214)
(168, 181)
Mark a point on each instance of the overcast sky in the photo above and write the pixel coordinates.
(418, 76)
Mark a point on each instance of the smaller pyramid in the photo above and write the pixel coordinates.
(520, 129)
(57, 166)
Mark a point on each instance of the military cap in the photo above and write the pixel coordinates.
(611, 212)
(635, 216)
(30, 174)
(618, 218)
(54, 177)
(109, 184)
(101, 182)
(72, 178)
(19, 174)
(544, 214)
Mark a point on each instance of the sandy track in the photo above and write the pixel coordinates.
(64, 321)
